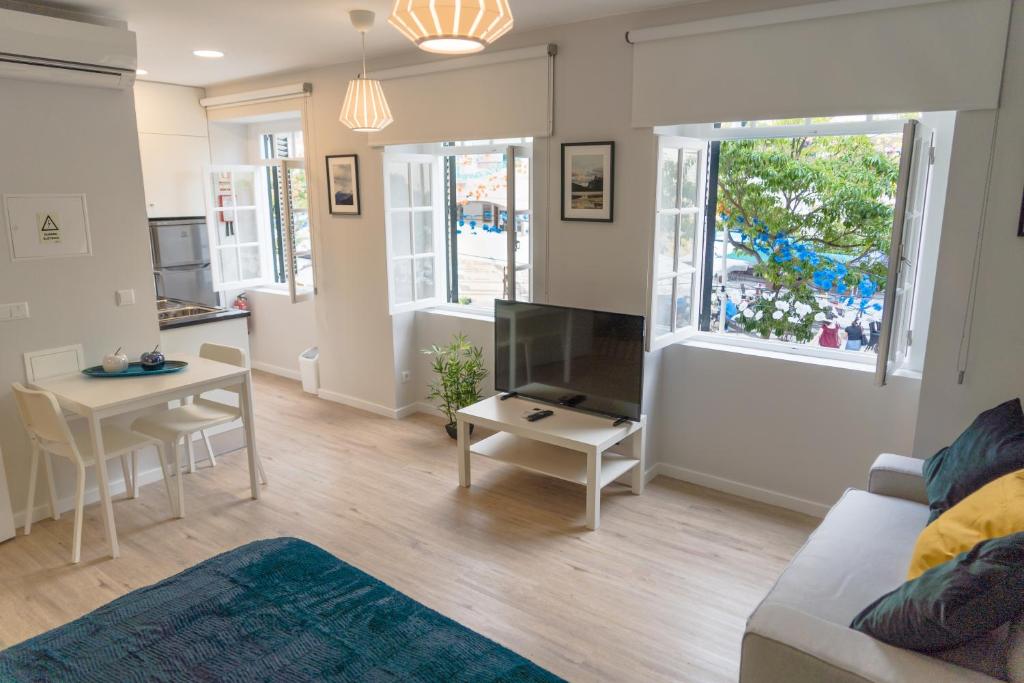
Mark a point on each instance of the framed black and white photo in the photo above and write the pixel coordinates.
(588, 181)
(343, 184)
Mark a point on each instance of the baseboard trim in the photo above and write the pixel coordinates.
(360, 404)
(150, 475)
(276, 370)
(782, 500)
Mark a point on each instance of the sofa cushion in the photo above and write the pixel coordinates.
(861, 550)
(953, 603)
(994, 510)
(991, 447)
(1015, 651)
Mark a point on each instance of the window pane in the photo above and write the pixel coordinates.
(246, 228)
(249, 260)
(421, 178)
(398, 181)
(228, 264)
(225, 230)
(669, 178)
(425, 280)
(665, 243)
(687, 235)
(423, 231)
(245, 188)
(684, 302)
(663, 307)
(690, 189)
(481, 196)
(403, 281)
(802, 246)
(401, 233)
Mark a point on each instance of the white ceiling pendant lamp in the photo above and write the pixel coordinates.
(365, 109)
(452, 27)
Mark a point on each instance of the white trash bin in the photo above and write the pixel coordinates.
(309, 369)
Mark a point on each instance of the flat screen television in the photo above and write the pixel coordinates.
(589, 360)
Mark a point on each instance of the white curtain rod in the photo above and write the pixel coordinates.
(786, 15)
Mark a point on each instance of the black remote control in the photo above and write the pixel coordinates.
(539, 415)
(511, 394)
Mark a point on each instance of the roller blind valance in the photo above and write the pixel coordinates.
(823, 59)
(257, 103)
(484, 97)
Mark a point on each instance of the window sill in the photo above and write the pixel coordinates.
(481, 315)
(711, 342)
(281, 291)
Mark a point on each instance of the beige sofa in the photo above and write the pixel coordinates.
(800, 632)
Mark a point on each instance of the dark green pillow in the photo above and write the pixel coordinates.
(992, 446)
(953, 603)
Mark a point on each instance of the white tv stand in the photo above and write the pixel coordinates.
(569, 445)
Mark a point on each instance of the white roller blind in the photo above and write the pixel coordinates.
(485, 97)
(921, 56)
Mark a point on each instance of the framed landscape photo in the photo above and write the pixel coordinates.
(343, 184)
(588, 181)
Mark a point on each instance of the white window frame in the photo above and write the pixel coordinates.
(524, 148)
(678, 329)
(261, 214)
(436, 210)
(915, 180)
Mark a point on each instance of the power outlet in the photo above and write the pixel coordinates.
(17, 311)
(406, 376)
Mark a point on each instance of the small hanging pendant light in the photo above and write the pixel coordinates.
(452, 27)
(365, 109)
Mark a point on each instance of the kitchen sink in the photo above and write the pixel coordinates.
(171, 309)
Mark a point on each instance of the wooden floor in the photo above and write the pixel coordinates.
(659, 593)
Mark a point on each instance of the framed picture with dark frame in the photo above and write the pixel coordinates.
(343, 184)
(588, 181)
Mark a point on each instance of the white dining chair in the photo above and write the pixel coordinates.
(50, 434)
(177, 425)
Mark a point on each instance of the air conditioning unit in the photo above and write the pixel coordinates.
(43, 48)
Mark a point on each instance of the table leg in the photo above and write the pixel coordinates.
(640, 471)
(463, 434)
(103, 483)
(593, 489)
(249, 422)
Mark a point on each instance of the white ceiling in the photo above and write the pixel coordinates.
(269, 36)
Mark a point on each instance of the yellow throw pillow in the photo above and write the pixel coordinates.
(994, 510)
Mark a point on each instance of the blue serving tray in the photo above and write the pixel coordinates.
(136, 370)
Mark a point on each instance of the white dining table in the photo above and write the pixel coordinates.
(98, 398)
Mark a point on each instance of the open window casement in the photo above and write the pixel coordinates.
(677, 247)
(898, 314)
(414, 227)
(288, 178)
(238, 223)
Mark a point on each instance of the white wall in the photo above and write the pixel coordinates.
(62, 138)
(995, 369)
(844, 421)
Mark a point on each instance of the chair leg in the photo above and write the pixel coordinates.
(50, 486)
(177, 473)
(32, 473)
(135, 474)
(209, 449)
(191, 453)
(76, 541)
(161, 451)
(126, 472)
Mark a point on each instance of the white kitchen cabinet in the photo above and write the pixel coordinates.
(172, 174)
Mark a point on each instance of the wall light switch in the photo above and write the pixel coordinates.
(125, 297)
(19, 311)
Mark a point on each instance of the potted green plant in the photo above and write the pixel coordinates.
(459, 368)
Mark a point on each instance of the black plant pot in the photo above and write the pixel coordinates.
(453, 430)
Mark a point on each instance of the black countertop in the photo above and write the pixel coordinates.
(202, 319)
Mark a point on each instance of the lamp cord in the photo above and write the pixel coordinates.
(363, 34)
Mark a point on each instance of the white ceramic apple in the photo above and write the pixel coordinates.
(116, 361)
